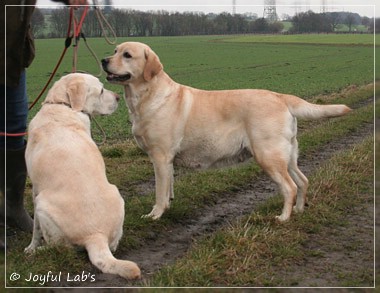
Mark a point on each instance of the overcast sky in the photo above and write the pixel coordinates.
(363, 7)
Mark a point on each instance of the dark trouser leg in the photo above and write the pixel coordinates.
(12, 152)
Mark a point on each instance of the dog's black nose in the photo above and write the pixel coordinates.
(104, 63)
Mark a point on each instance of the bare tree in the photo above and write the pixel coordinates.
(91, 26)
(334, 19)
(121, 21)
(38, 23)
(59, 22)
(350, 21)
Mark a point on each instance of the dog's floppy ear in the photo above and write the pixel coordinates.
(152, 66)
(77, 92)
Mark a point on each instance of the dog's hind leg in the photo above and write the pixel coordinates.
(37, 237)
(274, 158)
(299, 178)
(288, 189)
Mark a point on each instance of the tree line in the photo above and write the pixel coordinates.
(310, 22)
(53, 23)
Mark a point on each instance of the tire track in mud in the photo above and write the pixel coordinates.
(164, 247)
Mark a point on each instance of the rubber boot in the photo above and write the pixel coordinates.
(14, 190)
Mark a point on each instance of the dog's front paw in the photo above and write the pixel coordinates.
(298, 209)
(155, 214)
(30, 249)
(282, 218)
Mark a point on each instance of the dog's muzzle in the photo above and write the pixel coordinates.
(112, 77)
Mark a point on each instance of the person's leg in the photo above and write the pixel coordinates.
(14, 103)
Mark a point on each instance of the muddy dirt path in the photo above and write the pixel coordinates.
(164, 248)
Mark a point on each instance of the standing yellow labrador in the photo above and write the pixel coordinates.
(73, 201)
(198, 128)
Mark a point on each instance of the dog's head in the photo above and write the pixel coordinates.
(83, 93)
(131, 62)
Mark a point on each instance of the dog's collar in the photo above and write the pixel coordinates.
(58, 103)
(65, 104)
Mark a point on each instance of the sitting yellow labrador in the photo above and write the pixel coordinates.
(199, 128)
(74, 203)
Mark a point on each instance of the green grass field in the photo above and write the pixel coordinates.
(327, 39)
(232, 256)
(221, 62)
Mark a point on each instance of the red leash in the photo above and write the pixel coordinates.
(77, 33)
(13, 134)
(67, 45)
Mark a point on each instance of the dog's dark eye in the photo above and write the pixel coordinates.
(102, 91)
(127, 55)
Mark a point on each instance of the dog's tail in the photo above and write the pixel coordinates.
(100, 255)
(305, 110)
